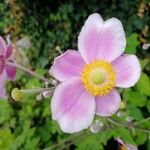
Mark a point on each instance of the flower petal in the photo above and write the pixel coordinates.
(11, 72)
(72, 106)
(101, 40)
(2, 46)
(127, 69)
(108, 104)
(3, 78)
(9, 50)
(2, 64)
(68, 65)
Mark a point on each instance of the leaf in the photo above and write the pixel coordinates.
(148, 106)
(140, 138)
(5, 111)
(135, 98)
(6, 139)
(132, 43)
(124, 134)
(100, 139)
(143, 84)
(134, 112)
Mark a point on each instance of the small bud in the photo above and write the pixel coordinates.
(96, 126)
(39, 97)
(146, 46)
(122, 105)
(54, 82)
(16, 94)
(120, 114)
(47, 94)
(129, 119)
(46, 84)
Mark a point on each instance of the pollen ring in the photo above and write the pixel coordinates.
(98, 77)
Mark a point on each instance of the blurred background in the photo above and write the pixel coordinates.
(40, 30)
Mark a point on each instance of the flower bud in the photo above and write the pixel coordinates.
(47, 94)
(55, 82)
(96, 126)
(120, 114)
(39, 97)
(16, 94)
(129, 119)
(146, 46)
(122, 105)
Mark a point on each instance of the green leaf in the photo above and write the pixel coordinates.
(5, 111)
(134, 112)
(143, 84)
(100, 139)
(6, 139)
(124, 134)
(140, 138)
(135, 98)
(148, 106)
(132, 43)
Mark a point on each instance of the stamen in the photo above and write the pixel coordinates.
(98, 77)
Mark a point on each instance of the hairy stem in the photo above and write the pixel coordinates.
(37, 90)
(126, 125)
(29, 71)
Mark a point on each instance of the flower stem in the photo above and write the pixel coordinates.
(37, 90)
(29, 71)
(126, 125)
(144, 120)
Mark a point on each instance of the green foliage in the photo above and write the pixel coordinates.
(132, 43)
(53, 26)
(143, 84)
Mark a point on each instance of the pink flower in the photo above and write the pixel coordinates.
(89, 76)
(6, 71)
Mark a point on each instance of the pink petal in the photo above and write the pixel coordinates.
(11, 72)
(9, 50)
(68, 65)
(3, 78)
(2, 64)
(2, 46)
(108, 104)
(72, 106)
(101, 40)
(127, 69)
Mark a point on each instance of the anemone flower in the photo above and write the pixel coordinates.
(6, 71)
(88, 77)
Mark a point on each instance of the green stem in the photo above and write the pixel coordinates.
(37, 90)
(126, 125)
(144, 120)
(29, 71)
(63, 141)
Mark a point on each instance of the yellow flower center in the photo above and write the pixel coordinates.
(98, 77)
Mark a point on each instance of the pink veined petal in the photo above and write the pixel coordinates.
(108, 104)
(72, 106)
(127, 69)
(11, 72)
(2, 64)
(9, 50)
(100, 39)
(68, 65)
(3, 78)
(2, 46)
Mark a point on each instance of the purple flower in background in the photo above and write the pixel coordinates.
(125, 146)
(6, 71)
(89, 76)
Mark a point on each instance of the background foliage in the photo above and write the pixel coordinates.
(53, 26)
